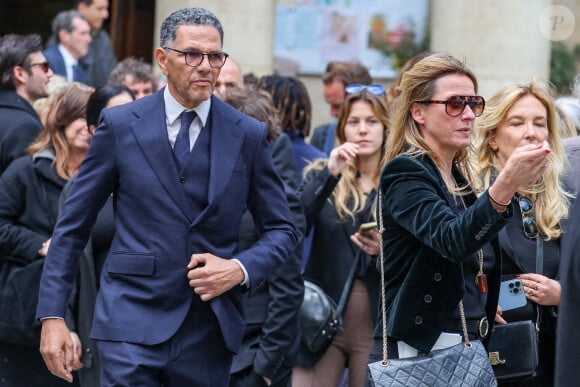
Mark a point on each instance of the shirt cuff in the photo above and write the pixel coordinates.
(246, 281)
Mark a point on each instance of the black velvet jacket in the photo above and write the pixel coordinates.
(425, 242)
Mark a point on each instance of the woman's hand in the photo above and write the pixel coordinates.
(541, 289)
(525, 166)
(499, 316)
(369, 241)
(340, 155)
(44, 249)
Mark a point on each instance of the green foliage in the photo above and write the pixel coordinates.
(562, 67)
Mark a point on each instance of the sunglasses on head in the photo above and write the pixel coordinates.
(45, 66)
(456, 104)
(356, 87)
(528, 221)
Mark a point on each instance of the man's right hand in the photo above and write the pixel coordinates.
(56, 347)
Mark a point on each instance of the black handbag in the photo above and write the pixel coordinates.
(320, 319)
(19, 286)
(465, 364)
(513, 350)
(513, 347)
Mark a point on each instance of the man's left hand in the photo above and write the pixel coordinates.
(211, 276)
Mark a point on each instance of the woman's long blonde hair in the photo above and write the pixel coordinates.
(551, 201)
(348, 197)
(418, 84)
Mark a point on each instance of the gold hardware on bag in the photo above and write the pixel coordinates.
(494, 359)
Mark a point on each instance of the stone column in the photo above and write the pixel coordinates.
(501, 41)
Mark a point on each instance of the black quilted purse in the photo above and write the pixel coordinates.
(465, 364)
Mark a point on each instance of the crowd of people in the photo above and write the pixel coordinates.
(165, 228)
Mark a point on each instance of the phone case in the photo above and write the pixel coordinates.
(511, 294)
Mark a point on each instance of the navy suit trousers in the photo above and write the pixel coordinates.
(196, 356)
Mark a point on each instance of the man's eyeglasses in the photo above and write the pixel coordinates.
(529, 224)
(456, 104)
(356, 87)
(194, 58)
(45, 66)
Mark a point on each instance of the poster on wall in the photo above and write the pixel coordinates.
(381, 34)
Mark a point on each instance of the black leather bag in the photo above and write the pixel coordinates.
(462, 365)
(19, 286)
(318, 322)
(320, 319)
(513, 350)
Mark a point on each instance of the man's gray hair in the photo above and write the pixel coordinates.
(190, 17)
(64, 21)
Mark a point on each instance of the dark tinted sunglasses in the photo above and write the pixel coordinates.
(45, 66)
(356, 87)
(456, 104)
(529, 224)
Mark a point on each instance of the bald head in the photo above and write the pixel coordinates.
(230, 77)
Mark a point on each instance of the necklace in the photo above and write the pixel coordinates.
(480, 276)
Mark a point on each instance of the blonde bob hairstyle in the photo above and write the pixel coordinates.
(348, 197)
(551, 201)
(418, 84)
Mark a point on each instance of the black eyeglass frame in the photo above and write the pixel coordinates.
(209, 55)
(466, 100)
(529, 225)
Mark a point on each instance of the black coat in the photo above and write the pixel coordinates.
(567, 371)
(270, 342)
(18, 128)
(333, 254)
(425, 242)
(29, 195)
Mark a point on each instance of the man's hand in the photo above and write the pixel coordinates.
(56, 347)
(211, 276)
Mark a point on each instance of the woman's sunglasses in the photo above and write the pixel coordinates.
(356, 87)
(456, 104)
(529, 224)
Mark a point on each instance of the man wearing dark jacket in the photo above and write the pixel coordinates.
(24, 76)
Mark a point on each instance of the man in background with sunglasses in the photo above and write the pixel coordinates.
(337, 75)
(24, 77)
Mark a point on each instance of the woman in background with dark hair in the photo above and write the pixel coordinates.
(80, 314)
(29, 192)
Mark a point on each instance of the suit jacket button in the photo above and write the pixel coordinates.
(418, 320)
(428, 298)
(182, 179)
(437, 277)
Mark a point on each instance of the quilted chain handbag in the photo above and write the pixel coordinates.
(465, 364)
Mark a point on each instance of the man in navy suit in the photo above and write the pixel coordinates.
(169, 310)
(73, 35)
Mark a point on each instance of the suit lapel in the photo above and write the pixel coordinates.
(150, 130)
(225, 143)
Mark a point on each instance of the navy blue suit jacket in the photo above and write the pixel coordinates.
(145, 295)
(54, 57)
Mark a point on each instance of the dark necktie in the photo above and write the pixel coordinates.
(181, 147)
(76, 74)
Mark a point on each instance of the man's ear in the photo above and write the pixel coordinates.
(62, 35)
(161, 57)
(20, 75)
(417, 113)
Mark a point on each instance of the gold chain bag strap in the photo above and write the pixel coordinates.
(465, 364)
